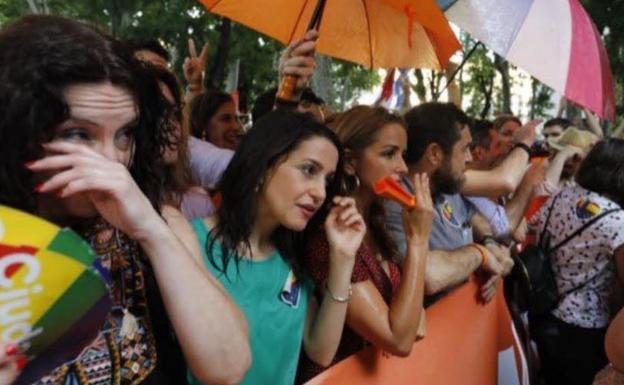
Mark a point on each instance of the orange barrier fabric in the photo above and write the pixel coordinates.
(467, 343)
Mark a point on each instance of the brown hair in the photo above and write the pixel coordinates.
(500, 121)
(357, 129)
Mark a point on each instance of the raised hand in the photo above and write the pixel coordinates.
(418, 221)
(194, 66)
(345, 229)
(526, 134)
(571, 151)
(108, 185)
(298, 60)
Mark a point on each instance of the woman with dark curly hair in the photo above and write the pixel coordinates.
(82, 138)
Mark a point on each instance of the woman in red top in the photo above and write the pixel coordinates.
(386, 305)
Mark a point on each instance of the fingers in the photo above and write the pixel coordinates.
(192, 49)
(488, 290)
(299, 66)
(72, 148)
(306, 48)
(345, 213)
(300, 62)
(61, 162)
(203, 55)
(311, 35)
(422, 192)
(306, 44)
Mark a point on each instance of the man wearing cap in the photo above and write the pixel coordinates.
(570, 148)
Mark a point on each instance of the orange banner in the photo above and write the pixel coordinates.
(467, 343)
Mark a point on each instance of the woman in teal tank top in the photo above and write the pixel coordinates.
(283, 179)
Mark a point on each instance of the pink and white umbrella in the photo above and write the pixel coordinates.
(554, 40)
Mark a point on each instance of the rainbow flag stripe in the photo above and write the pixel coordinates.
(51, 283)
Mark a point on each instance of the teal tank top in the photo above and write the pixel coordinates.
(274, 304)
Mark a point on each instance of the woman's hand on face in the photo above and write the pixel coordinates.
(345, 229)
(108, 185)
(418, 221)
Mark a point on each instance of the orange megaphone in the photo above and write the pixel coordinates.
(389, 188)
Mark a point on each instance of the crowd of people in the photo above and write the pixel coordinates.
(263, 255)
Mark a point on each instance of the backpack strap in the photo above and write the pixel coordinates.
(582, 228)
(541, 239)
(569, 238)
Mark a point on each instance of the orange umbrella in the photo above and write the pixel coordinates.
(373, 33)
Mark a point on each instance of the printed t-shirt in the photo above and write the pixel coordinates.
(451, 227)
(584, 266)
(451, 224)
(274, 304)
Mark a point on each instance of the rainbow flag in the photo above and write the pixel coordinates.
(53, 291)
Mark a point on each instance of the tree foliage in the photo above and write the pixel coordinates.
(173, 22)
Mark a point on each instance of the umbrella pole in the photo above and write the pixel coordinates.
(452, 77)
(289, 82)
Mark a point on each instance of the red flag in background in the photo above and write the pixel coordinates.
(388, 84)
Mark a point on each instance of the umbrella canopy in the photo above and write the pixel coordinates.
(374, 33)
(554, 40)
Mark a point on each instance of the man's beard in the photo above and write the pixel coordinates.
(444, 182)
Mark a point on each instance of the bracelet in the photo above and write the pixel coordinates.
(524, 147)
(339, 299)
(484, 256)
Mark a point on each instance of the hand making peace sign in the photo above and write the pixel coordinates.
(194, 66)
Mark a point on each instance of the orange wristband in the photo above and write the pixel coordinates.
(484, 256)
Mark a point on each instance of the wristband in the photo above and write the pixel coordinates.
(524, 147)
(484, 256)
(337, 298)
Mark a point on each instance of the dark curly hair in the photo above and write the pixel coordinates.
(39, 57)
(602, 171)
(269, 141)
(177, 176)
